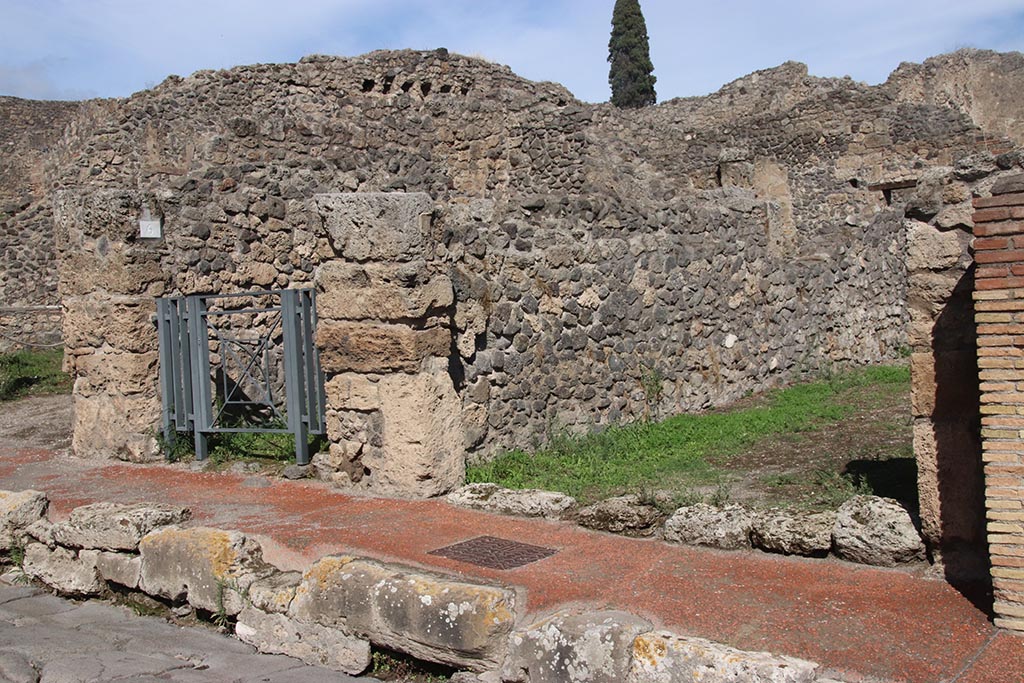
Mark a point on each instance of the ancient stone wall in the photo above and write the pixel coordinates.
(817, 144)
(545, 264)
(980, 83)
(28, 268)
(689, 309)
(944, 405)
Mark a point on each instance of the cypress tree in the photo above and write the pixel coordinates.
(631, 74)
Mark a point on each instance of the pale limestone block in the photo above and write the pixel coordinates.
(431, 617)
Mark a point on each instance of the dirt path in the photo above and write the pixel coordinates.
(870, 450)
(37, 422)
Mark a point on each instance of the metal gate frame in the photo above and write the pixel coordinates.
(183, 325)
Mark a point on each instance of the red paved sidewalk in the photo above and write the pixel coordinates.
(859, 622)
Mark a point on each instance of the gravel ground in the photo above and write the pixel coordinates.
(37, 422)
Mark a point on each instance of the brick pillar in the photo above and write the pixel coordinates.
(999, 313)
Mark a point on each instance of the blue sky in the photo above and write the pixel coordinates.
(72, 49)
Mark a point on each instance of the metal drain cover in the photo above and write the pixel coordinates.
(494, 553)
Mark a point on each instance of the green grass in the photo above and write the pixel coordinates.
(226, 448)
(681, 451)
(32, 373)
(252, 446)
(232, 447)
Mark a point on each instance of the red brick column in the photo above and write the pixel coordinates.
(999, 313)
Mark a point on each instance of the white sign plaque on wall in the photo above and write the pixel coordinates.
(150, 228)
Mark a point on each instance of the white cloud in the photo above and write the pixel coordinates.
(34, 81)
(563, 44)
(112, 47)
(122, 45)
(698, 47)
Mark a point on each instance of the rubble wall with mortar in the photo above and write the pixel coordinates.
(998, 304)
(831, 139)
(980, 83)
(598, 259)
(30, 327)
(28, 263)
(976, 83)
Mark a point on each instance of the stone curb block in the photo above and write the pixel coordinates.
(274, 593)
(41, 530)
(64, 570)
(277, 634)
(594, 647)
(876, 531)
(423, 615)
(525, 503)
(120, 568)
(211, 568)
(727, 527)
(618, 647)
(115, 526)
(662, 657)
(865, 529)
(620, 515)
(18, 510)
(793, 534)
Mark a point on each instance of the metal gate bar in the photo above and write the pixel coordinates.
(175, 366)
(184, 325)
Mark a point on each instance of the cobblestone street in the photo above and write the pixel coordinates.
(44, 638)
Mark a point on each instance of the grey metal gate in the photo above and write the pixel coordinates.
(241, 363)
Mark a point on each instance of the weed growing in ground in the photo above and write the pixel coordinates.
(220, 616)
(830, 488)
(721, 495)
(16, 553)
(142, 605)
(392, 666)
(228, 447)
(652, 382)
(16, 558)
(836, 488)
(180, 448)
(782, 480)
